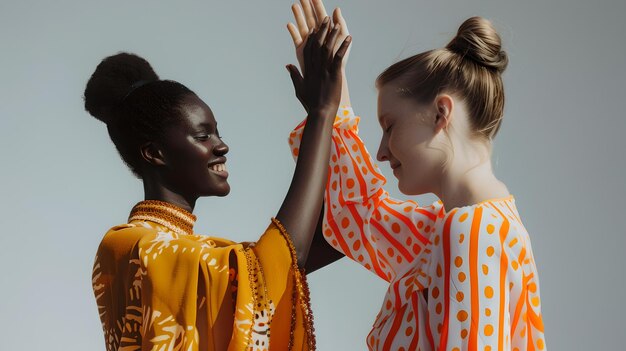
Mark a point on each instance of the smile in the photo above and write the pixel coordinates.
(219, 169)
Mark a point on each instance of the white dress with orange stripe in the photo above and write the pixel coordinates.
(459, 280)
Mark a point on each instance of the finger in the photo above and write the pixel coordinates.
(338, 18)
(295, 34)
(323, 31)
(320, 11)
(338, 59)
(297, 14)
(331, 41)
(308, 13)
(306, 52)
(296, 78)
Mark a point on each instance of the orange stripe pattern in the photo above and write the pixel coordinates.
(459, 280)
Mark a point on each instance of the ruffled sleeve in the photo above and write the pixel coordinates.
(361, 219)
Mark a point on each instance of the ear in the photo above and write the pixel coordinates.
(444, 104)
(152, 153)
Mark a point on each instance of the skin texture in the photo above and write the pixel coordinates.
(309, 14)
(177, 169)
(432, 149)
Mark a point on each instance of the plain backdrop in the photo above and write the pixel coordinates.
(560, 149)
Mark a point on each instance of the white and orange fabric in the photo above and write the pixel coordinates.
(463, 279)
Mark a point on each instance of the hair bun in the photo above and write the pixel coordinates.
(111, 82)
(478, 40)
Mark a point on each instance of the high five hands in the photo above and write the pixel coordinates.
(319, 87)
(309, 15)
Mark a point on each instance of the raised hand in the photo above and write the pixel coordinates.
(309, 15)
(319, 89)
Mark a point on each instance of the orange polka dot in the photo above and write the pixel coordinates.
(437, 240)
(296, 151)
(540, 344)
(463, 333)
(350, 183)
(409, 240)
(367, 266)
(388, 305)
(345, 222)
(351, 235)
(342, 151)
(485, 269)
(395, 227)
(346, 112)
(408, 209)
(439, 326)
(386, 217)
(373, 181)
(515, 265)
(355, 147)
(420, 224)
(459, 296)
(490, 228)
(439, 270)
(490, 251)
(334, 158)
(364, 170)
(487, 348)
(360, 258)
(328, 232)
(435, 292)
(334, 242)
(513, 242)
(399, 259)
(489, 292)
(409, 316)
(463, 217)
(461, 277)
(535, 301)
(488, 329)
(487, 312)
(356, 245)
(408, 331)
(416, 249)
(344, 169)
(456, 349)
(438, 308)
(532, 287)
(461, 316)
(458, 261)
(390, 252)
(461, 238)
(427, 229)
(336, 169)
(334, 186)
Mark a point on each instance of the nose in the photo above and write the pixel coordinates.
(382, 154)
(220, 149)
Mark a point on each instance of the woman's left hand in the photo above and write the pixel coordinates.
(319, 90)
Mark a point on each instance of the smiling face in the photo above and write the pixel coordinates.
(410, 141)
(194, 153)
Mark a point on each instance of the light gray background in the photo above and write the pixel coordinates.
(560, 150)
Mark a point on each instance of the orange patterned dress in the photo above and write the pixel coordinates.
(459, 280)
(159, 286)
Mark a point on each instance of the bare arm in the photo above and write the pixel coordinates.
(319, 90)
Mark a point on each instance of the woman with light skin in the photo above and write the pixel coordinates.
(161, 286)
(461, 271)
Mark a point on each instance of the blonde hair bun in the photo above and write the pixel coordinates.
(478, 41)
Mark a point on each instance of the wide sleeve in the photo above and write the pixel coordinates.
(361, 220)
(472, 282)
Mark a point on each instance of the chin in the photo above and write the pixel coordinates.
(409, 189)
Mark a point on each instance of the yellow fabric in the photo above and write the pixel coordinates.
(161, 290)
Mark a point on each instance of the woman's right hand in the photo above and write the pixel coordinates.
(319, 88)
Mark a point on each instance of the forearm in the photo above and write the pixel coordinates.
(300, 210)
(345, 94)
(321, 253)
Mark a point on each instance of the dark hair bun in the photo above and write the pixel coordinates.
(111, 82)
(478, 40)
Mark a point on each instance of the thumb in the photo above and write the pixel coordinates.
(296, 78)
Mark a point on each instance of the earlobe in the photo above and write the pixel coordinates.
(152, 154)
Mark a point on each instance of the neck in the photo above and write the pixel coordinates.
(155, 190)
(470, 179)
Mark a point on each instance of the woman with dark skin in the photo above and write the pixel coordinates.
(158, 284)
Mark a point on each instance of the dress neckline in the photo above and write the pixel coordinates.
(509, 199)
(173, 217)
